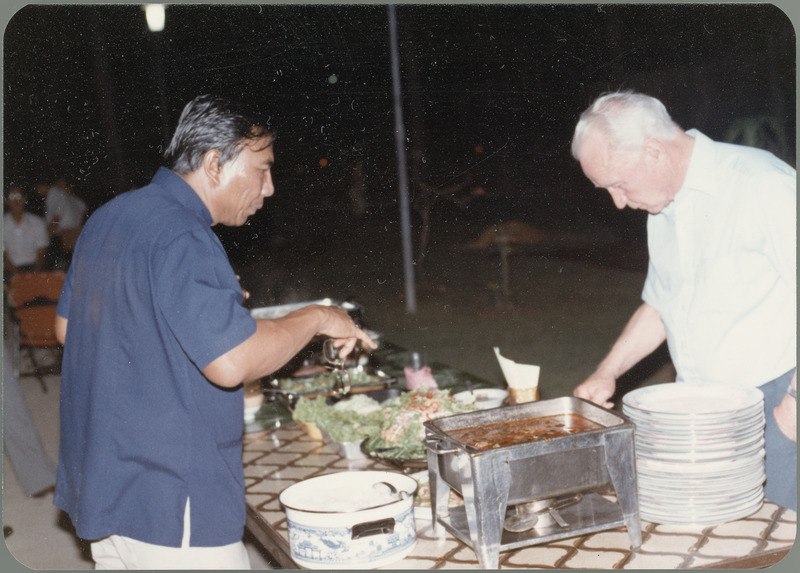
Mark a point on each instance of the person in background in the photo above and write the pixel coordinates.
(157, 346)
(34, 469)
(64, 213)
(63, 209)
(721, 284)
(24, 235)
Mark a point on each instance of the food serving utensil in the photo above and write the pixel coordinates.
(540, 513)
(330, 353)
(386, 486)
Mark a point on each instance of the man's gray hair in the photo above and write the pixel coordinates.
(627, 119)
(210, 122)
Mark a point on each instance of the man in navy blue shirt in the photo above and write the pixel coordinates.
(157, 346)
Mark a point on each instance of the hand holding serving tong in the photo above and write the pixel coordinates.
(331, 354)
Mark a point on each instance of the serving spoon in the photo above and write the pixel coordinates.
(385, 485)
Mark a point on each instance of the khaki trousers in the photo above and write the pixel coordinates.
(118, 552)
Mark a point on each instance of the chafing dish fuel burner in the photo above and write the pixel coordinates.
(532, 473)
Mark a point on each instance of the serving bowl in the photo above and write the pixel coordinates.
(484, 398)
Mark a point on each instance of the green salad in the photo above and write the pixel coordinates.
(341, 423)
(393, 427)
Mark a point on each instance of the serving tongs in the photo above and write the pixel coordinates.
(341, 382)
(539, 514)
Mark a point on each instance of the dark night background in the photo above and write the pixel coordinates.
(491, 95)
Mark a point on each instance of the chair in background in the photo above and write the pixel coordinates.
(32, 301)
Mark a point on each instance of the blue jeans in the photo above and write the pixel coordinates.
(781, 452)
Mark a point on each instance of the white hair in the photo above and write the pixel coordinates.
(626, 119)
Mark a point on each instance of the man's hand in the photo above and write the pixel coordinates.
(786, 417)
(642, 335)
(245, 293)
(339, 325)
(276, 341)
(597, 389)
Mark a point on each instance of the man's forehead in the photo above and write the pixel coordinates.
(595, 152)
(260, 145)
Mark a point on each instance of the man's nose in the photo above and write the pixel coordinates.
(268, 189)
(620, 201)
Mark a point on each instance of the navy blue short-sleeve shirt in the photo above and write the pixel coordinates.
(151, 300)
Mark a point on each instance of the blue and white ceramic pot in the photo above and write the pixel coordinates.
(351, 520)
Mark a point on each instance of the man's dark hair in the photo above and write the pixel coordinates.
(209, 122)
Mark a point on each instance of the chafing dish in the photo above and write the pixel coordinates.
(534, 491)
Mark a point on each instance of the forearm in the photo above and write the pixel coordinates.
(61, 329)
(642, 335)
(275, 342)
(786, 412)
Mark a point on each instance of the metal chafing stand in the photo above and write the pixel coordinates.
(550, 484)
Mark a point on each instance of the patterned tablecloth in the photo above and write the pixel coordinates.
(278, 457)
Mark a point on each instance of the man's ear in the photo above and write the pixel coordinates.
(654, 150)
(211, 165)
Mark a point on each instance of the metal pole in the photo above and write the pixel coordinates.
(402, 172)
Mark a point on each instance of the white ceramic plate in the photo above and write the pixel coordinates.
(695, 399)
(702, 467)
(726, 450)
(655, 515)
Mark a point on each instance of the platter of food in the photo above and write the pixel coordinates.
(388, 425)
(398, 458)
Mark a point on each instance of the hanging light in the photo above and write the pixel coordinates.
(155, 17)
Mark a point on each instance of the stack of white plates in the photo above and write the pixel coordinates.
(699, 451)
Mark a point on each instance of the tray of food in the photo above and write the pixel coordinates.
(388, 424)
(362, 379)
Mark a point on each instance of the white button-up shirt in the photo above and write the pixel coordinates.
(22, 241)
(69, 208)
(723, 267)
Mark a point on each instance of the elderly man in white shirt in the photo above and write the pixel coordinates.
(721, 284)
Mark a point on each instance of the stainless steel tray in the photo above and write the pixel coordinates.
(548, 459)
(441, 427)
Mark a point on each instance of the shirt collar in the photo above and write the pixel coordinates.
(182, 192)
(699, 176)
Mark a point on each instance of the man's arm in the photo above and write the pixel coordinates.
(786, 412)
(61, 329)
(641, 336)
(276, 341)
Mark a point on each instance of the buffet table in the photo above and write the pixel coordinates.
(278, 453)
(277, 458)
